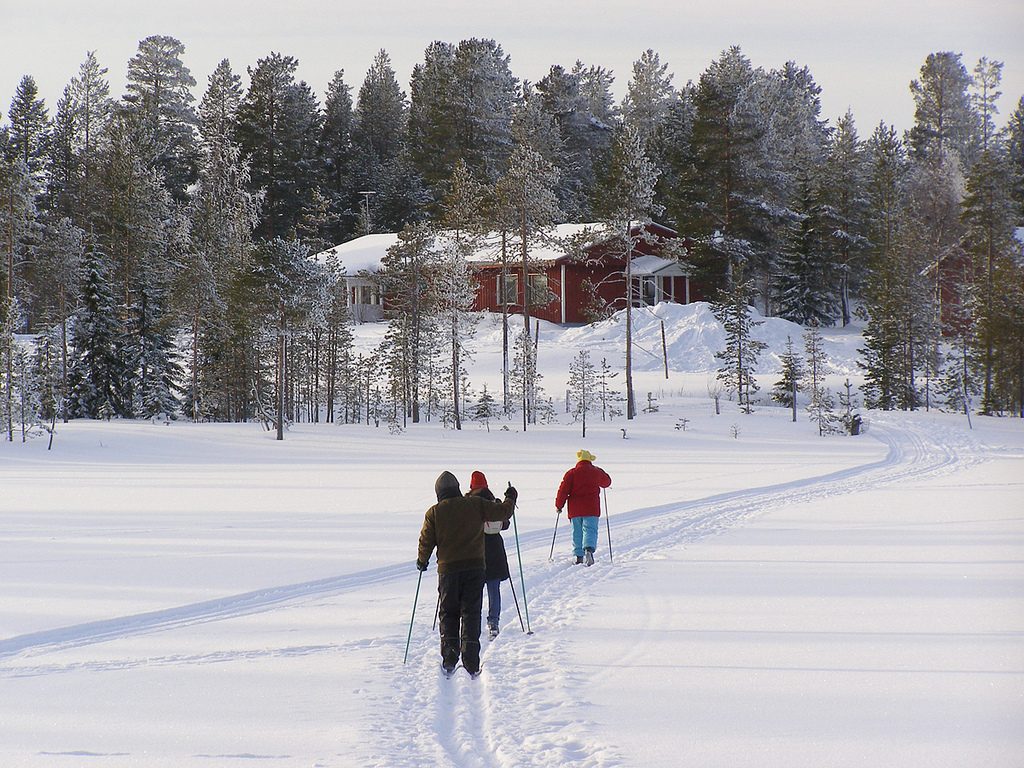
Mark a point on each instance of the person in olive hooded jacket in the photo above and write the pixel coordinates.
(454, 527)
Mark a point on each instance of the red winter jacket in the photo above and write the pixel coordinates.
(582, 486)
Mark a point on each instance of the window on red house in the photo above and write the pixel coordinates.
(538, 286)
(508, 288)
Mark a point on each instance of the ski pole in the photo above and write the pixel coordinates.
(512, 585)
(413, 617)
(608, 525)
(437, 610)
(551, 554)
(522, 579)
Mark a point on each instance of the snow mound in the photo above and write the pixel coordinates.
(693, 335)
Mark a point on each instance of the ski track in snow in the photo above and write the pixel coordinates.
(522, 710)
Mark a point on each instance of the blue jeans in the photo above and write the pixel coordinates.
(584, 534)
(493, 602)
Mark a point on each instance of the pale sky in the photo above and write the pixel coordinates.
(863, 55)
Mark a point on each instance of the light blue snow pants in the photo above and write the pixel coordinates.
(584, 534)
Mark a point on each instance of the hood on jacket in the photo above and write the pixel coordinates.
(446, 486)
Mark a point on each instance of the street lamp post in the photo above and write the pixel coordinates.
(366, 209)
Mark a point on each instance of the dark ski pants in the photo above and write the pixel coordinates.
(461, 597)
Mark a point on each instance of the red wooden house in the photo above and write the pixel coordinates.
(574, 271)
(578, 270)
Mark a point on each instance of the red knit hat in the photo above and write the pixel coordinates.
(477, 481)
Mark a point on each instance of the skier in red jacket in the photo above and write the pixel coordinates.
(581, 487)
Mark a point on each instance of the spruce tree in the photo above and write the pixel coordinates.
(336, 155)
(724, 193)
(30, 132)
(739, 357)
(792, 369)
(380, 159)
(99, 379)
(844, 193)
(278, 128)
(432, 145)
(484, 94)
(805, 277)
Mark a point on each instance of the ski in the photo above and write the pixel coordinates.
(449, 674)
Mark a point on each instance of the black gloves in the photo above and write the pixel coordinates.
(511, 494)
(421, 566)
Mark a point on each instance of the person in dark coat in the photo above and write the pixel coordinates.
(581, 488)
(496, 558)
(455, 528)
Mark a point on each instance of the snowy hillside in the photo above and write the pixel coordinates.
(203, 595)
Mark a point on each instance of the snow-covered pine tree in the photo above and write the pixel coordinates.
(159, 95)
(48, 373)
(1015, 152)
(583, 387)
(849, 417)
(9, 322)
(891, 294)
(27, 393)
(99, 379)
(279, 124)
(805, 278)
(484, 95)
(525, 389)
(525, 207)
(432, 146)
(64, 178)
(144, 236)
(722, 189)
(406, 279)
(60, 275)
(943, 119)
(29, 132)
(821, 410)
(18, 225)
(813, 379)
(461, 223)
(989, 217)
(335, 152)
(739, 358)
(379, 158)
(625, 206)
(583, 138)
(485, 408)
(843, 188)
(649, 98)
(609, 397)
(90, 108)
(337, 366)
(212, 294)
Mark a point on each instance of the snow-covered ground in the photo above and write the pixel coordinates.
(203, 595)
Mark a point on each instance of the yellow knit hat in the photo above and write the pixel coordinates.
(584, 455)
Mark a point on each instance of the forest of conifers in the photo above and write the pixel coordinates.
(156, 248)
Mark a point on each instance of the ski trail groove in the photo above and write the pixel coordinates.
(908, 456)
